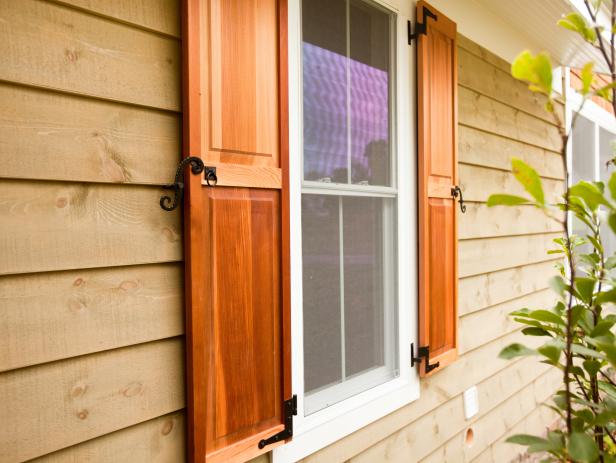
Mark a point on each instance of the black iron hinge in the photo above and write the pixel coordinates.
(423, 354)
(420, 28)
(290, 410)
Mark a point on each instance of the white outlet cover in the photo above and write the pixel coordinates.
(471, 402)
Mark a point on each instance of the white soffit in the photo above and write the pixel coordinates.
(537, 19)
(506, 27)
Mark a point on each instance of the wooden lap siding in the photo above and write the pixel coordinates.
(91, 290)
(502, 266)
(91, 313)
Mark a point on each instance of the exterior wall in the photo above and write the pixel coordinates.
(503, 266)
(91, 309)
(91, 320)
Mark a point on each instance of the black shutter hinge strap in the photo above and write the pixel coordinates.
(290, 410)
(420, 27)
(423, 354)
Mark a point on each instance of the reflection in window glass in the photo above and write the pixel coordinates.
(348, 231)
(346, 80)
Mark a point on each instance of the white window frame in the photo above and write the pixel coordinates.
(601, 119)
(321, 428)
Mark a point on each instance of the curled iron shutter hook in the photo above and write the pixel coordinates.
(196, 167)
(455, 191)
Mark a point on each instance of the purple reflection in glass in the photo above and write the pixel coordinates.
(326, 122)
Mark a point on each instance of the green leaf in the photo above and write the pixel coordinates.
(611, 220)
(592, 366)
(546, 316)
(587, 77)
(551, 352)
(535, 331)
(535, 70)
(516, 350)
(611, 184)
(557, 284)
(506, 200)
(606, 296)
(529, 179)
(590, 193)
(581, 350)
(582, 448)
(525, 439)
(585, 288)
(602, 328)
(576, 22)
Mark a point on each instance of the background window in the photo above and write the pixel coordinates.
(348, 200)
(591, 149)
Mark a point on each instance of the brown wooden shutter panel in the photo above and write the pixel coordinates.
(236, 233)
(438, 174)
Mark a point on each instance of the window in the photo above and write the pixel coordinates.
(353, 217)
(591, 148)
(348, 200)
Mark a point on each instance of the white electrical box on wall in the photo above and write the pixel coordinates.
(471, 402)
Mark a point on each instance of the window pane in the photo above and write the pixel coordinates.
(321, 288)
(583, 164)
(583, 150)
(606, 153)
(346, 80)
(369, 78)
(368, 272)
(325, 90)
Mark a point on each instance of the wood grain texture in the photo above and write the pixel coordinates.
(50, 46)
(58, 226)
(482, 112)
(481, 221)
(492, 81)
(487, 289)
(51, 136)
(65, 403)
(160, 440)
(491, 254)
(52, 316)
(498, 422)
(490, 150)
(237, 240)
(448, 419)
(478, 183)
(480, 327)
(157, 15)
(437, 169)
(535, 423)
(244, 348)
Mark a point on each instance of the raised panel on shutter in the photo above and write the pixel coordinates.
(437, 171)
(236, 234)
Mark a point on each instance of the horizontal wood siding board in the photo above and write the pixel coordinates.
(479, 327)
(157, 15)
(64, 403)
(471, 368)
(48, 45)
(52, 136)
(490, 254)
(160, 440)
(479, 75)
(60, 226)
(448, 419)
(482, 112)
(488, 289)
(57, 315)
(480, 148)
(535, 423)
(499, 421)
(481, 221)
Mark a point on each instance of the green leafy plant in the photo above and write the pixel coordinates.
(575, 335)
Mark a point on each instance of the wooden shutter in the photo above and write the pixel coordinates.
(237, 232)
(438, 174)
